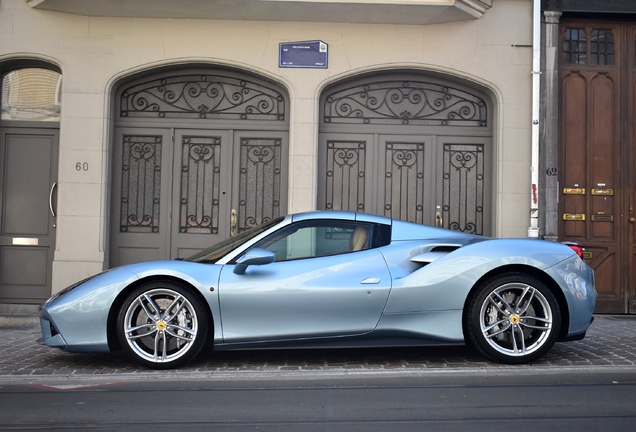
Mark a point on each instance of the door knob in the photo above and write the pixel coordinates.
(438, 220)
(632, 219)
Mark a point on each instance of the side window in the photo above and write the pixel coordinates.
(31, 94)
(310, 239)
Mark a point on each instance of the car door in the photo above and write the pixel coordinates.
(327, 281)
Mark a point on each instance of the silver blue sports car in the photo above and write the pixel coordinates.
(332, 279)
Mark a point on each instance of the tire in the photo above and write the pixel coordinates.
(162, 325)
(513, 318)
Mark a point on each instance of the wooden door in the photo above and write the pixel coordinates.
(630, 133)
(28, 176)
(596, 161)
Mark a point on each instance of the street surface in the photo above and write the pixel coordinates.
(578, 386)
(384, 402)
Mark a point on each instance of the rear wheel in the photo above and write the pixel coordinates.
(513, 318)
(162, 325)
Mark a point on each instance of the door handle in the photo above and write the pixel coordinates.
(371, 280)
(233, 223)
(51, 199)
(438, 220)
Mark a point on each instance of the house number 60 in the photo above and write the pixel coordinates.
(81, 166)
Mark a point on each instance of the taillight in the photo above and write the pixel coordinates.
(577, 249)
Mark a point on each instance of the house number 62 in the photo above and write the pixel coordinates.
(81, 166)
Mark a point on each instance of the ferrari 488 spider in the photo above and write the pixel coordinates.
(332, 279)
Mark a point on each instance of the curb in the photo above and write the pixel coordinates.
(283, 375)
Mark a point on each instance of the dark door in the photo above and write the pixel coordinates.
(218, 143)
(630, 137)
(142, 175)
(177, 191)
(407, 146)
(597, 172)
(432, 180)
(28, 176)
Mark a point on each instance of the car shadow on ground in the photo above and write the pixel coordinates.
(611, 341)
(276, 360)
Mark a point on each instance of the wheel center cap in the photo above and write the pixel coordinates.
(514, 319)
(161, 325)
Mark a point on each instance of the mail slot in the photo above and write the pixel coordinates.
(606, 192)
(573, 216)
(25, 241)
(602, 218)
(574, 191)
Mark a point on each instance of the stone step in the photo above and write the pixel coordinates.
(18, 315)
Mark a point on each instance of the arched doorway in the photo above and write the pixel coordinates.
(29, 140)
(408, 145)
(199, 155)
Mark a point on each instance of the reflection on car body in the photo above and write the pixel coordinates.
(332, 279)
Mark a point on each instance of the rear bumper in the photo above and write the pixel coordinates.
(577, 282)
(574, 337)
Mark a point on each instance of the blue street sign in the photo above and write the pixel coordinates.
(309, 54)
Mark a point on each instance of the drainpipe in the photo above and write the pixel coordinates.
(533, 230)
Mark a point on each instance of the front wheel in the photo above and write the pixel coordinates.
(513, 319)
(161, 325)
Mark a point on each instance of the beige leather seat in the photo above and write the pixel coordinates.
(359, 239)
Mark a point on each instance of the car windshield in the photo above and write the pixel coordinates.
(219, 250)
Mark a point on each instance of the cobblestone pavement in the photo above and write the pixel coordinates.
(610, 344)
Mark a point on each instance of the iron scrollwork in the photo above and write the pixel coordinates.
(407, 103)
(345, 175)
(404, 181)
(259, 181)
(464, 187)
(203, 96)
(200, 185)
(141, 184)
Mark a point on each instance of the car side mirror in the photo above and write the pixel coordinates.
(254, 257)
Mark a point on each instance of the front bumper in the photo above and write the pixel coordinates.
(50, 335)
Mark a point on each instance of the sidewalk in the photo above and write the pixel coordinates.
(610, 344)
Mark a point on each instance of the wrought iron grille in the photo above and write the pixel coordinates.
(259, 181)
(200, 185)
(345, 175)
(405, 102)
(141, 184)
(203, 96)
(404, 181)
(463, 202)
